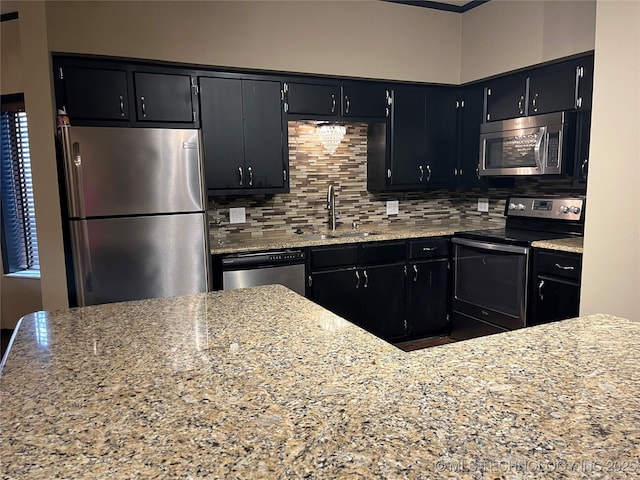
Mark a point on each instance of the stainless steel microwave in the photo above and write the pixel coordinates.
(536, 145)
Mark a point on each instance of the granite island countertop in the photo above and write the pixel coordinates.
(262, 383)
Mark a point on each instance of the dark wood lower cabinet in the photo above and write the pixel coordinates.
(427, 297)
(336, 290)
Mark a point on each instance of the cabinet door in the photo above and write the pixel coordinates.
(553, 88)
(383, 299)
(428, 287)
(554, 299)
(469, 139)
(262, 112)
(441, 123)
(163, 97)
(364, 100)
(506, 98)
(338, 291)
(304, 98)
(95, 93)
(222, 132)
(583, 137)
(408, 142)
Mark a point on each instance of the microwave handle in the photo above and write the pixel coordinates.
(540, 152)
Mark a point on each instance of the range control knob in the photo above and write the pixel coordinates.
(520, 206)
(575, 210)
(512, 206)
(564, 209)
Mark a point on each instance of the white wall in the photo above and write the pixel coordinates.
(357, 38)
(500, 36)
(611, 268)
(18, 296)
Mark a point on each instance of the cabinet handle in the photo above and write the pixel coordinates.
(405, 325)
(460, 172)
(478, 172)
(579, 75)
(388, 173)
(121, 106)
(534, 103)
(310, 280)
(540, 285)
(347, 104)
(455, 172)
(143, 106)
(429, 249)
(366, 279)
(421, 178)
(584, 167)
(333, 103)
(357, 279)
(428, 173)
(520, 104)
(565, 267)
(415, 274)
(241, 175)
(284, 175)
(250, 170)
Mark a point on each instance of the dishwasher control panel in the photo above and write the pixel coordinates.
(263, 259)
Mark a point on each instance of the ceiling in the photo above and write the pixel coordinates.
(459, 6)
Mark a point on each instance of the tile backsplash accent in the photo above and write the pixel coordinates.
(312, 169)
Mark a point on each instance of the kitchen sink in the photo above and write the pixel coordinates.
(324, 236)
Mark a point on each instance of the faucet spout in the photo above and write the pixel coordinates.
(331, 206)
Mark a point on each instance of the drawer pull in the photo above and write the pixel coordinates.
(540, 285)
(564, 267)
(429, 249)
(415, 276)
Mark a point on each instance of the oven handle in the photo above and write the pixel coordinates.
(498, 247)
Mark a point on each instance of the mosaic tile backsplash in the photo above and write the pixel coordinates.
(312, 169)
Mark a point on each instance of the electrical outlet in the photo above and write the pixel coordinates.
(237, 215)
(483, 204)
(392, 207)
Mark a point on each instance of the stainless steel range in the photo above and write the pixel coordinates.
(492, 267)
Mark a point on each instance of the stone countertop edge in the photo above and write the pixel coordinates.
(240, 245)
(570, 244)
(262, 383)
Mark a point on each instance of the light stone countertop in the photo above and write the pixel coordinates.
(262, 383)
(572, 244)
(238, 243)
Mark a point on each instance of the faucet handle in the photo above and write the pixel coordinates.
(355, 225)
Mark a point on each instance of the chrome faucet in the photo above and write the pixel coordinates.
(331, 206)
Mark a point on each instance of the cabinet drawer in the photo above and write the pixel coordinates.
(338, 256)
(387, 252)
(429, 248)
(560, 264)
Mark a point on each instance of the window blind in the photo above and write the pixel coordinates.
(19, 237)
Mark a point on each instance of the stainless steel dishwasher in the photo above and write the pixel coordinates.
(283, 267)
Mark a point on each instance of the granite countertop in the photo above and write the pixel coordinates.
(571, 244)
(240, 243)
(262, 383)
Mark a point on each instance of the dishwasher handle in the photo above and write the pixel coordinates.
(262, 259)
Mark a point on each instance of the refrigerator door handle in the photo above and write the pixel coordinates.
(73, 171)
(82, 260)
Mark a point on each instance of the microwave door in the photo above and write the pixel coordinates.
(512, 152)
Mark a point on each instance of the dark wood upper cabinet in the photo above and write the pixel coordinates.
(470, 118)
(311, 99)
(162, 97)
(94, 93)
(336, 100)
(365, 100)
(506, 97)
(242, 135)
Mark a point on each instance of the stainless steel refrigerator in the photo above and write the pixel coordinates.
(136, 213)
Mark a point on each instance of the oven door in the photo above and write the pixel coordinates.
(490, 282)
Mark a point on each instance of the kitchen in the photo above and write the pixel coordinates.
(623, 297)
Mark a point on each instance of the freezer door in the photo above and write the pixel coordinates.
(130, 171)
(118, 259)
